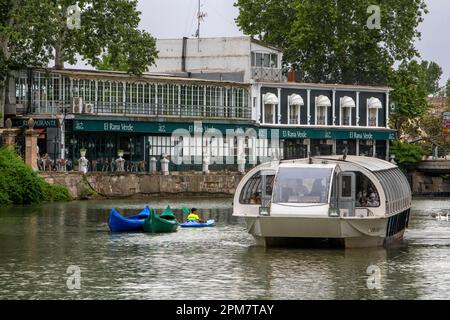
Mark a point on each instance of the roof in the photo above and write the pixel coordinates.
(326, 86)
(370, 163)
(80, 73)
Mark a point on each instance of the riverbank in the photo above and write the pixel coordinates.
(95, 185)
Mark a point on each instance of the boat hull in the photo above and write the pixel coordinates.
(119, 223)
(194, 224)
(157, 224)
(347, 232)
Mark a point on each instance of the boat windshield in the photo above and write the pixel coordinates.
(302, 185)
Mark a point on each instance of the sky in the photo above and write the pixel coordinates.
(177, 18)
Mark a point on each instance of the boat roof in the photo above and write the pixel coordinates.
(370, 163)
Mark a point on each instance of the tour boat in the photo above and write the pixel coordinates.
(351, 201)
(166, 222)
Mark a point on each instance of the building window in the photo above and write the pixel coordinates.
(265, 60)
(373, 104)
(295, 101)
(270, 103)
(322, 105)
(347, 104)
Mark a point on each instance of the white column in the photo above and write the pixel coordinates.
(357, 147)
(308, 146)
(263, 117)
(333, 148)
(279, 106)
(309, 107)
(357, 109)
(334, 107)
(387, 110)
(374, 149)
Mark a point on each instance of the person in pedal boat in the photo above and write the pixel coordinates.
(193, 216)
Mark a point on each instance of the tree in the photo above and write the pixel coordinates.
(329, 41)
(23, 31)
(406, 154)
(33, 32)
(433, 76)
(447, 93)
(410, 92)
(105, 26)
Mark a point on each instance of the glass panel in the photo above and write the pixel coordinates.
(346, 189)
(274, 60)
(268, 113)
(302, 185)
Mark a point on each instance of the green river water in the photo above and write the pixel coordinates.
(39, 243)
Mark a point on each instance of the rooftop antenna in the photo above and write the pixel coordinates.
(200, 17)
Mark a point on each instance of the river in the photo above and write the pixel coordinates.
(39, 243)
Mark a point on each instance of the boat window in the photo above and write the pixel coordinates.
(366, 193)
(346, 190)
(252, 191)
(302, 185)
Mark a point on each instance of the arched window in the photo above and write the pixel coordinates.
(322, 103)
(269, 110)
(373, 105)
(347, 103)
(295, 102)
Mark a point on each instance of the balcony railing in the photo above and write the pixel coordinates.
(293, 120)
(267, 74)
(372, 122)
(145, 109)
(321, 121)
(346, 121)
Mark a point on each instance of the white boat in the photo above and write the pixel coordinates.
(350, 201)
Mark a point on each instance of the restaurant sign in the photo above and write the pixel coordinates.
(38, 123)
(310, 133)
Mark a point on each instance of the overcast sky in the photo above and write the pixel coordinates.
(177, 18)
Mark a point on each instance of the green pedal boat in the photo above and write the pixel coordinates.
(166, 222)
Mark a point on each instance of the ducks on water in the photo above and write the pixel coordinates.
(442, 217)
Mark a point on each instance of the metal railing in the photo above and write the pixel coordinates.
(321, 121)
(267, 74)
(147, 109)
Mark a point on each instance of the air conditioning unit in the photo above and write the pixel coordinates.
(89, 108)
(77, 105)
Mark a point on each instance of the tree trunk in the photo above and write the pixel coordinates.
(2, 102)
(59, 57)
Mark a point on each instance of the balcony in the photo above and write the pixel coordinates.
(372, 122)
(321, 121)
(293, 120)
(145, 109)
(267, 74)
(346, 121)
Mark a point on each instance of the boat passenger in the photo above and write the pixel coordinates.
(193, 216)
(373, 202)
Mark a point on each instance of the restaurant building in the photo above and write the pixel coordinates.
(245, 94)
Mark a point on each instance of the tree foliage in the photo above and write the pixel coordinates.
(407, 154)
(19, 184)
(410, 94)
(34, 32)
(329, 41)
(433, 76)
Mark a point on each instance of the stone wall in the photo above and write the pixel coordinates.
(117, 185)
(425, 183)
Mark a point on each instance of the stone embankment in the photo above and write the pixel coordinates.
(123, 185)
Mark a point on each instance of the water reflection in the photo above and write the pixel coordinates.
(38, 243)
